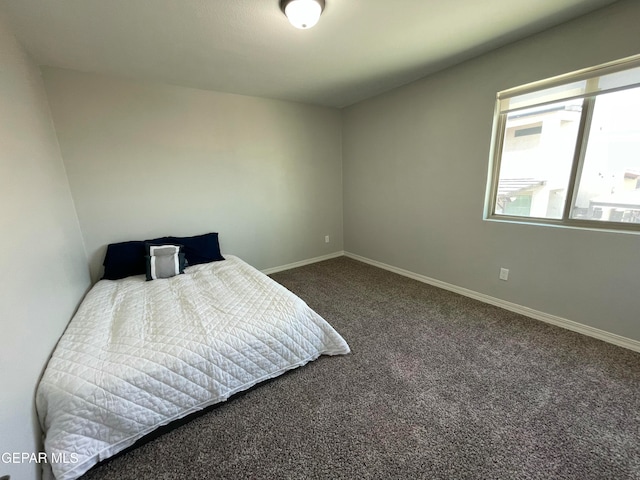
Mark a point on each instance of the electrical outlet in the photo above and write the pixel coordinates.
(326, 239)
(504, 274)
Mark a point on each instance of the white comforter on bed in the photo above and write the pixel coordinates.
(139, 354)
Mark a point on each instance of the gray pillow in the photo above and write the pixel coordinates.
(164, 261)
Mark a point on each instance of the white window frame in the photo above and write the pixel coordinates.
(589, 94)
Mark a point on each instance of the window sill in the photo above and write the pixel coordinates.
(593, 226)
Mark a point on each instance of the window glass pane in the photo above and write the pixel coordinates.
(538, 149)
(609, 186)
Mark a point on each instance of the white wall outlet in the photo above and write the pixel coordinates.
(504, 274)
(326, 239)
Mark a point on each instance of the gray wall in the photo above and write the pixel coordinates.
(415, 173)
(42, 258)
(147, 160)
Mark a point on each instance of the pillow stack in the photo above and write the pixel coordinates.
(125, 259)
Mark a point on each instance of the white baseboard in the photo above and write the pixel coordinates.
(302, 263)
(513, 307)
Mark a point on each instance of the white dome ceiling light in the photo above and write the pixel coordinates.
(302, 14)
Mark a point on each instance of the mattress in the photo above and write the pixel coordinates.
(138, 355)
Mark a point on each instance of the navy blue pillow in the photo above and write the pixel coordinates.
(124, 260)
(198, 249)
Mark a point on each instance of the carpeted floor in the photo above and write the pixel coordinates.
(437, 386)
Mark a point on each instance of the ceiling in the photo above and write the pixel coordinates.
(360, 48)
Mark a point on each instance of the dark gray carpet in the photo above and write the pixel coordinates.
(438, 386)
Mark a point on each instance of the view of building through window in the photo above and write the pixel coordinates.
(537, 154)
(539, 150)
(609, 185)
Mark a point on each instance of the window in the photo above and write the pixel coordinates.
(566, 150)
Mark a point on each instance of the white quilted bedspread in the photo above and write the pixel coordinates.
(139, 354)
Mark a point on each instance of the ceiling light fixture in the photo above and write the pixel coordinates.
(302, 14)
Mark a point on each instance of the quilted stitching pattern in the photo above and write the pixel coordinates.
(138, 355)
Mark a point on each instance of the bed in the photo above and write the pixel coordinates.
(140, 354)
